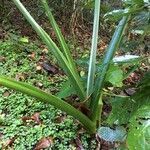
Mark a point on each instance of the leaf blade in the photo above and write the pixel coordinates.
(48, 98)
(55, 50)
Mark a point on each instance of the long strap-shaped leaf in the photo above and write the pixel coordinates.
(113, 46)
(59, 36)
(92, 63)
(63, 62)
(48, 98)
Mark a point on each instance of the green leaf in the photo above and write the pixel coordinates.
(139, 129)
(125, 58)
(138, 2)
(99, 83)
(133, 2)
(24, 40)
(89, 4)
(92, 62)
(49, 98)
(121, 111)
(115, 76)
(135, 112)
(66, 90)
(134, 6)
(62, 60)
(124, 108)
(112, 135)
(145, 82)
(60, 37)
(116, 14)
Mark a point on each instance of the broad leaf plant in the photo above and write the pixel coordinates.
(92, 95)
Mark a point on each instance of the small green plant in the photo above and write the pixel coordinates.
(91, 95)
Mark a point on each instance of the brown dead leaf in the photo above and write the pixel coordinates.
(59, 119)
(25, 118)
(45, 51)
(49, 68)
(130, 91)
(83, 108)
(44, 143)
(38, 68)
(32, 56)
(1, 135)
(2, 59)
(39, 84)
(6, 93)
(8, 142)
(36, 118)
(79, 144)
(21, 76)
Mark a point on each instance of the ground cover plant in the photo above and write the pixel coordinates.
(23, 120)
(90, 94)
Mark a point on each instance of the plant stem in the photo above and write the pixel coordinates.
(92, 63)
(112, 48)
(49, 98)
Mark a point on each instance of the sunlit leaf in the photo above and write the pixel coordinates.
(112, 135)
(24, 40)
(134, 2)
(125, 58)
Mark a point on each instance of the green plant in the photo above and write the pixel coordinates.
(91, 96)
(14, 106)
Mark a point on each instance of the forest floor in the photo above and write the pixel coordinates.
(26, 123)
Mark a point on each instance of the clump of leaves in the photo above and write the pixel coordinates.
(90, 98)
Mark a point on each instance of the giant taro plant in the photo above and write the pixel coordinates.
(91, 95)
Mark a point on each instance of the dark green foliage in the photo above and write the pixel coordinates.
(134, 113)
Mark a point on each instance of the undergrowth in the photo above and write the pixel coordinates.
(16, 62)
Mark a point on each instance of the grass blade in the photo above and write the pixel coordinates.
(48, 98)
(92, 63)
(59, 35)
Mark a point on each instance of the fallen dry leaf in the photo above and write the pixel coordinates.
(38, 68)
(32, 56)
(2, 59)
(8, 142)
(44, 143)
(21, 76)
(25, 118)
(6, 93)
(36, 118)
(1, 135)
(130, 91)
(79, 144)
(45, 50)
(49, 68)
